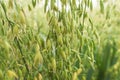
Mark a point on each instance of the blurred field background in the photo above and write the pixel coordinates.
(59, 40)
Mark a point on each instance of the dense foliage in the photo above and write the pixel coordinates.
(64, 40)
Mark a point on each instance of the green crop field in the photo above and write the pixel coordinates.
(59, 40)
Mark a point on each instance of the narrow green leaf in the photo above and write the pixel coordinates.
(3, 6)
(34, 3)
(91, 23)
(91, 6)
(29, 8)
(45, 7)
(101, 6)
(52, 4)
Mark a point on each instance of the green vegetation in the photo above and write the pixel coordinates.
(71, 42)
